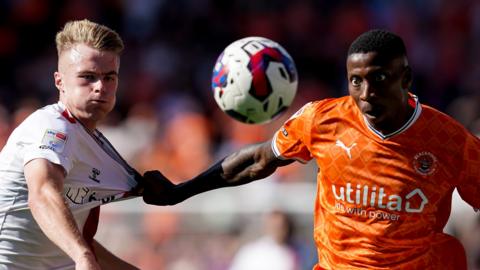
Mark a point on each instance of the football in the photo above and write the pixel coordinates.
(254, 80)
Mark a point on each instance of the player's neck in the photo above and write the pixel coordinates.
(391, 125)
(88, 123)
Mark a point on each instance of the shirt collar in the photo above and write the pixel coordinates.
(412, 101)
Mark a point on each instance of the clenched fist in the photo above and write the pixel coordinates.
(158, 190)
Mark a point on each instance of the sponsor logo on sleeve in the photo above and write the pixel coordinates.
(54, 140)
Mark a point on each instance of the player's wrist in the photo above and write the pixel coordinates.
(160, 191)
(87, 260)
(83, 253)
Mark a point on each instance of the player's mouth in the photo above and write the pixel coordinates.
(98, 101)
(373, 111)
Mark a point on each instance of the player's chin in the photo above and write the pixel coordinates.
(100, 107)
(98, 113)
(374, 118)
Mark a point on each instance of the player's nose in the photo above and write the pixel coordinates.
(367, 91)
(99, 86)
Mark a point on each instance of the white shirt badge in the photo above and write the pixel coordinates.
(54, 140)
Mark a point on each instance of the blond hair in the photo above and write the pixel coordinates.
(92, 34)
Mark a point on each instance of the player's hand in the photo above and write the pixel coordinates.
(158, 190)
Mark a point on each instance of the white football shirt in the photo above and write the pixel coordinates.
(95, 174)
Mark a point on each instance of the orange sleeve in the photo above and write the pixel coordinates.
(469, 186)
(291, 141)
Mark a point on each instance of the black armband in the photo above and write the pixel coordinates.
(208, 180)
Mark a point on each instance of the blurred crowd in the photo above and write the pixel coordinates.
(166, 117)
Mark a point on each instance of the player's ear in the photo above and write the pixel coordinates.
(58, 77)
(407, 78)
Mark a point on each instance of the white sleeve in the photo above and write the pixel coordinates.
(49, 137)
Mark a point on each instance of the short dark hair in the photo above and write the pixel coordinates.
(381, 41)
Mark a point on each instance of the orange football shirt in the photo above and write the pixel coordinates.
(383, 200)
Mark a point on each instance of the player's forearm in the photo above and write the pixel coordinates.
(208, 180)
(237, 169)
(160, 191)
(56, 221)
(249, 164)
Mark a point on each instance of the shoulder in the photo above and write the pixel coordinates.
(325, 105)
(47, 122)
(52, 116)
(329, 107)
(47, 134)
(434, 116)
(335, 102)
(446, 128)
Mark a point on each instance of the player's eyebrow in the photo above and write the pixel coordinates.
(111, 73)
(93, 72)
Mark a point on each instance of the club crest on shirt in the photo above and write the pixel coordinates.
(54, 140)
(425, 163)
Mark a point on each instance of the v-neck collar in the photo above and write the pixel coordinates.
(100, 140)
(413, 101)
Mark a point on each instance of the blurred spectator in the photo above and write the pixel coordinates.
(273, 250)
(464, 109)
(25, 108)
(181, 150)
(135, 133)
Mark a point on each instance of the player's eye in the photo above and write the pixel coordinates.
(355, 81)
(380, 77)
(88, 77)
(109, 78)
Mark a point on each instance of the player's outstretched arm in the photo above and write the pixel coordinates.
(249, 164)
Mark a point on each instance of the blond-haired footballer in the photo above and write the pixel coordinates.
(57, 169)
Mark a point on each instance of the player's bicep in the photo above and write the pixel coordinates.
(292, 139)
(251, 163)
(272, 160)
